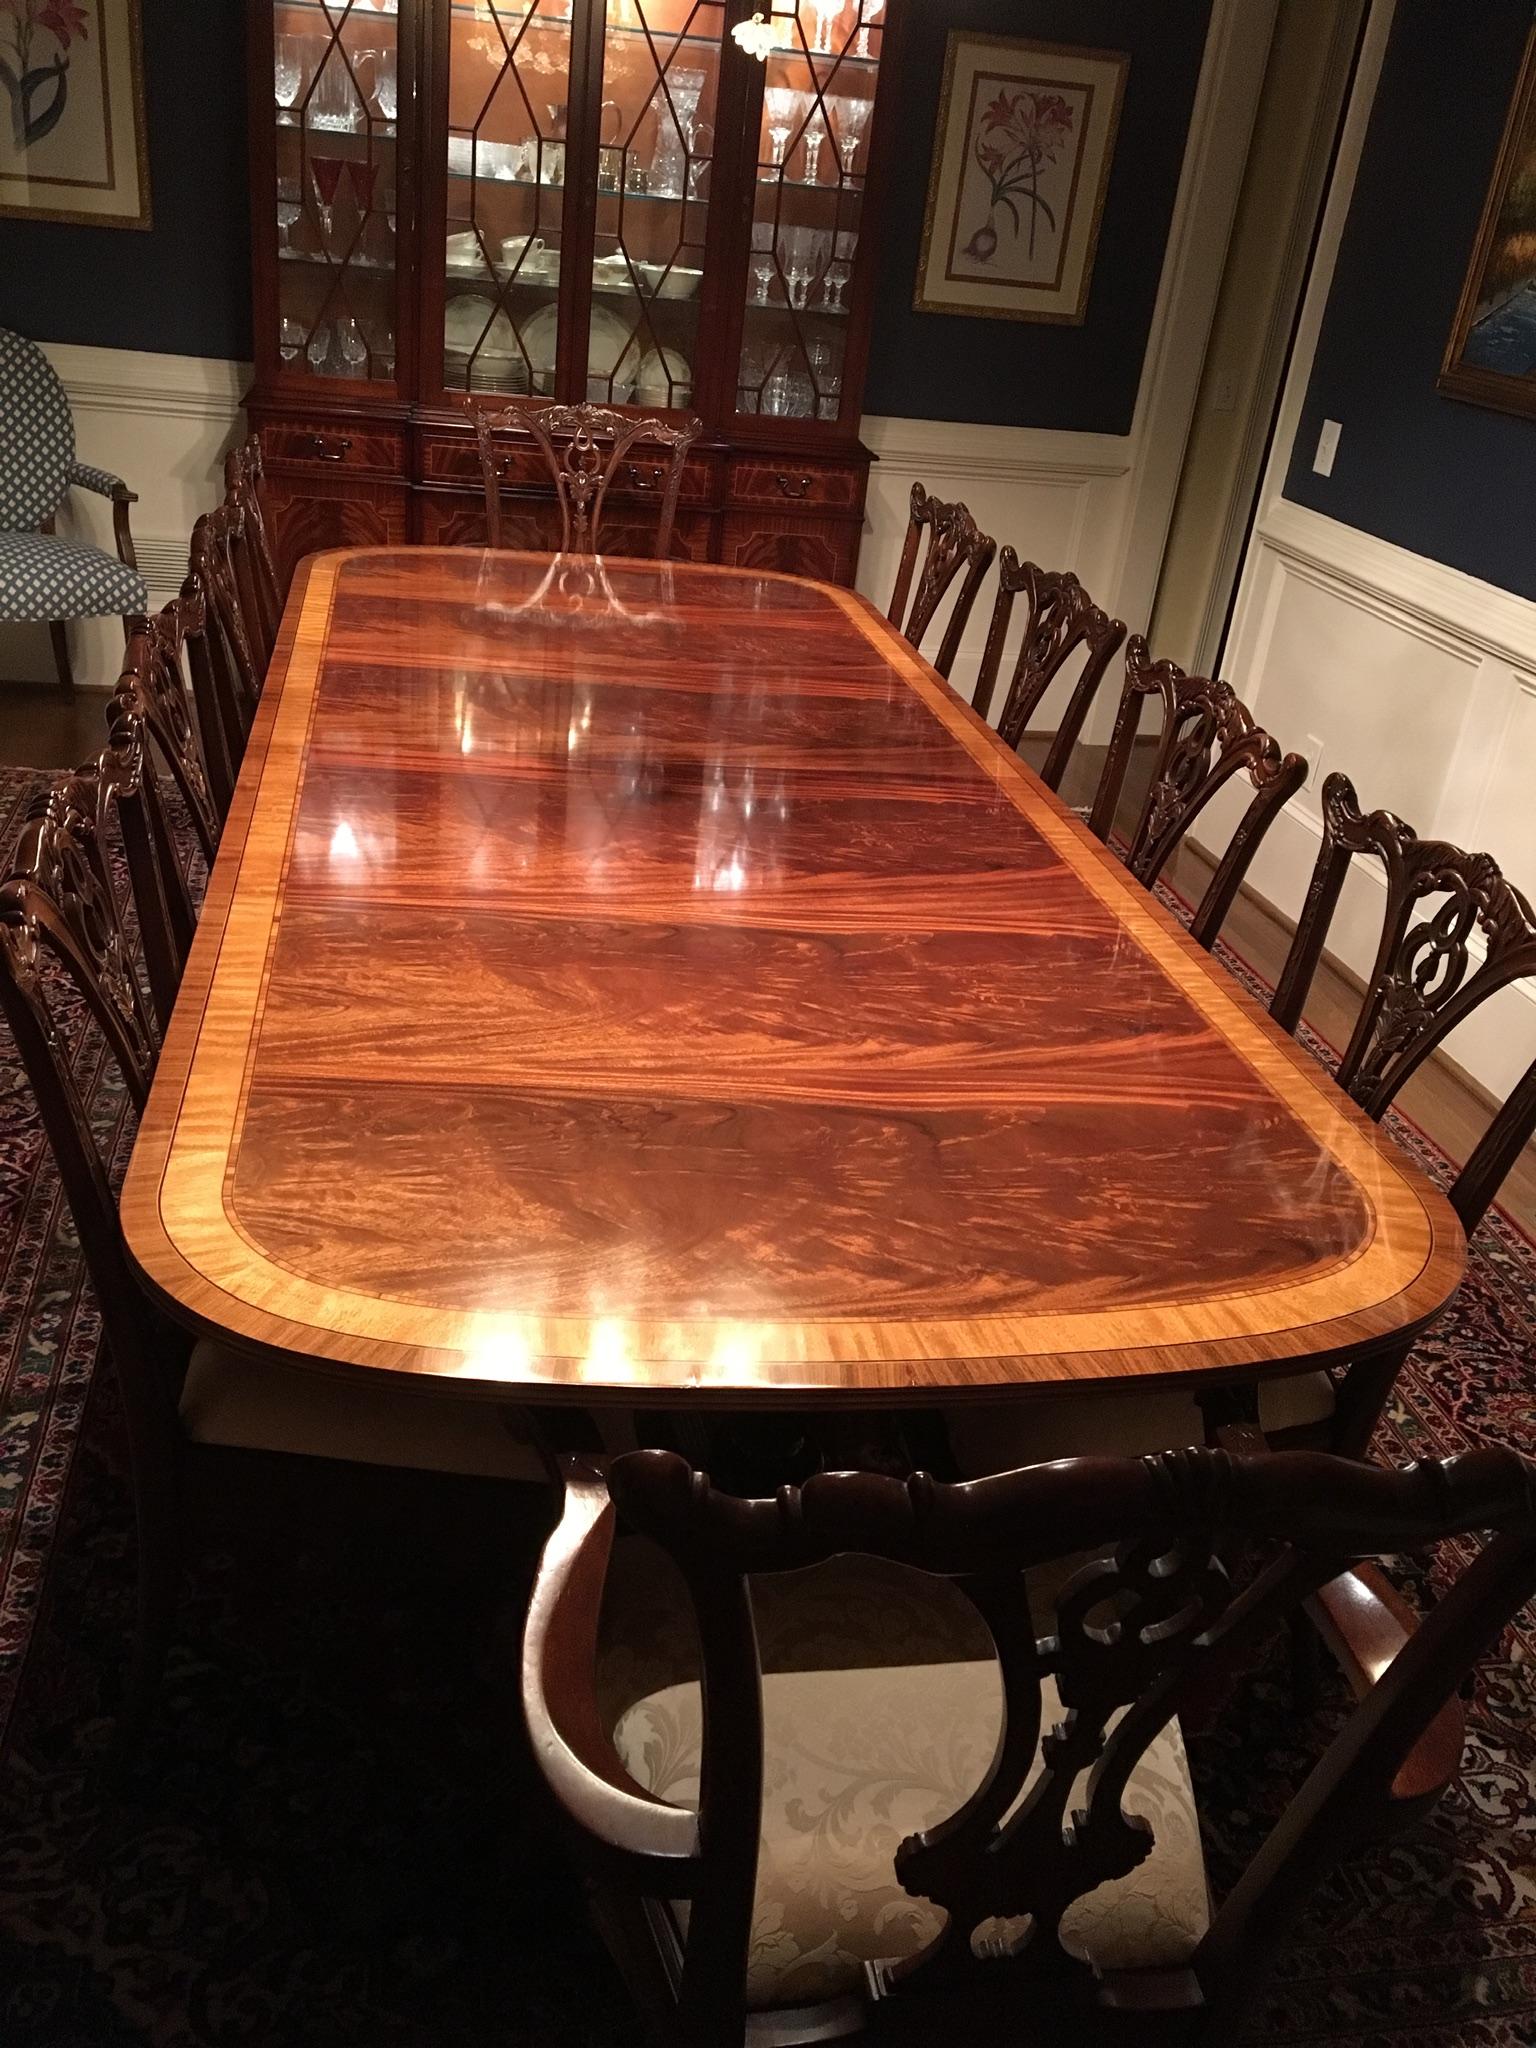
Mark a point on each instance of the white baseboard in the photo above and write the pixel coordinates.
(1056, 498)
(1420, 684)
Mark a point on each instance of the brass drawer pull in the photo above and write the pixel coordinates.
(647, 479)
(789, 488)
(329, 451)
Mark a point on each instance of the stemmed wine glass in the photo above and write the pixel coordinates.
(827, 12)
(843, 245)
(869, 13)
(290, 204)
(326, 172)
(850, 118)
(290, 339)
(762, 260)
(815, 135)
(804, 257)
(351, 347)
(781, 106)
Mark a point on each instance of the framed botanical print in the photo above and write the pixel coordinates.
(1020, 165)
(72, 112)
(1491, 355)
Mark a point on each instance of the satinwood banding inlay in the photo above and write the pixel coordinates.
(673, 986)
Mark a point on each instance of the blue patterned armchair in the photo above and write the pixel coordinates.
(45, 578)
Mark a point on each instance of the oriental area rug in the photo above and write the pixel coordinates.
(331, 1834)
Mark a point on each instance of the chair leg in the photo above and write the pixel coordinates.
(59, 634)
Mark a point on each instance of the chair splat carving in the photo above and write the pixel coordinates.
(950, 541)
(584, 447)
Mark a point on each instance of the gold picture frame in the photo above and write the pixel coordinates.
(1021, 165)
(72, 140)
(1490, 358)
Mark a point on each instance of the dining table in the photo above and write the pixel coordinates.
(650, 983)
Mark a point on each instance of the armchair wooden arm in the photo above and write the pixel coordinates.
(106, 485)
(559, 1692)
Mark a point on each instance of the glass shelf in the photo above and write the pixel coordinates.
(487, 180)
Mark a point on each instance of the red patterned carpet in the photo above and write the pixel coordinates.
(333, 1834)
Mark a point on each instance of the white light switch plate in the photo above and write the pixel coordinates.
(1327, 447)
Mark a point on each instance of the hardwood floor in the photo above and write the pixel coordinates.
(1442, 1100)
(41, 728)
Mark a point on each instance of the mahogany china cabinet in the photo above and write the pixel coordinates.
(462, 202)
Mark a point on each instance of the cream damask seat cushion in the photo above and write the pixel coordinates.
(855, 1760)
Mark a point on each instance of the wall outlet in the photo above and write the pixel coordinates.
(1314, 761)
(1327, 447)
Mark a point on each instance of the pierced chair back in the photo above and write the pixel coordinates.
(64, 957)
(65, 965)
(950, 541)
(151, 697)
(585, 447)
(1209, 738)
(225, 676)
(1150, 1630)
(1425, 981)
(1060, 618)
(120, 792)
(255, 565)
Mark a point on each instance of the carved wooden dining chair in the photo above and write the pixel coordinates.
(1440, 903)
(949, 541)
(226, 679)
(1060, 620)
(962, 1805)
(151, 694)
(65, 954)
(587, 449)
(1208, 739)
(261, 595)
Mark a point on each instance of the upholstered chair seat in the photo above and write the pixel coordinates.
(249, 1402)
(43, 576)
(882, 1706)
(858, 1758)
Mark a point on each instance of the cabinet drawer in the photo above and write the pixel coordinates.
(363, 451)
(641, 474)
(827, 550)
(786, 483)
(455, 459)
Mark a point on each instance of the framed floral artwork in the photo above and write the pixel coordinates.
(72, 112)
(1020, 166)
(1491, 355)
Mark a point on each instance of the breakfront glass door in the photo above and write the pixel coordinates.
(509, 65)
(661, 72)
(818, 100)
(336, 106)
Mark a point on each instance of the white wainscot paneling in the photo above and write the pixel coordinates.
(1420, 684)
(162, 423)
(1058, 499)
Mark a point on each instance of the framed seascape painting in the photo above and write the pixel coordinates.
(1491, 356)
(1020, 165)
(72, 112)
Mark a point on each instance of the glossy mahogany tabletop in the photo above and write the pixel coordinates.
(675, 987)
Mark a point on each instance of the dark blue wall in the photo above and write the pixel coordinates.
(1449, 480)
(1019, 372)
(184, 286)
